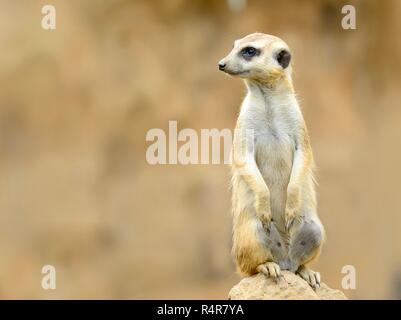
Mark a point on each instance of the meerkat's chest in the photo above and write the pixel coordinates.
(274, 148)
(274, 137)
(274, 126)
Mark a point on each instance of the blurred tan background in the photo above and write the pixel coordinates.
(76, 191)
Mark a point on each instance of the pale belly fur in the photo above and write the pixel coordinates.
(274, 158)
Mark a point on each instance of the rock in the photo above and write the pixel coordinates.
(288, 287)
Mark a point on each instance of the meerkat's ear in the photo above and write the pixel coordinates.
(283, 58)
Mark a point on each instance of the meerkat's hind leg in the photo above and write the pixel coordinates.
(305, 245)
(310, 276)
(278, 246)
(269, 269)
(305, 242)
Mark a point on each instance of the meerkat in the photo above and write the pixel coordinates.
(275, 221)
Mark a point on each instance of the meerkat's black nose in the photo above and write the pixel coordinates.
(222, 66)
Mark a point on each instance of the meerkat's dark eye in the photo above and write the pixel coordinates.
(283, 58)
(249, 52)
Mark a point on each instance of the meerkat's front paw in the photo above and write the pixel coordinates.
(310, 276)
(289, 218)
(269, 269)
(292, 205)
(262, 207)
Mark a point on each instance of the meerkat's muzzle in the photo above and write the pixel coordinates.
(222, 66)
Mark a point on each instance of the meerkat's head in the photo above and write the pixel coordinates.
(261, 57)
